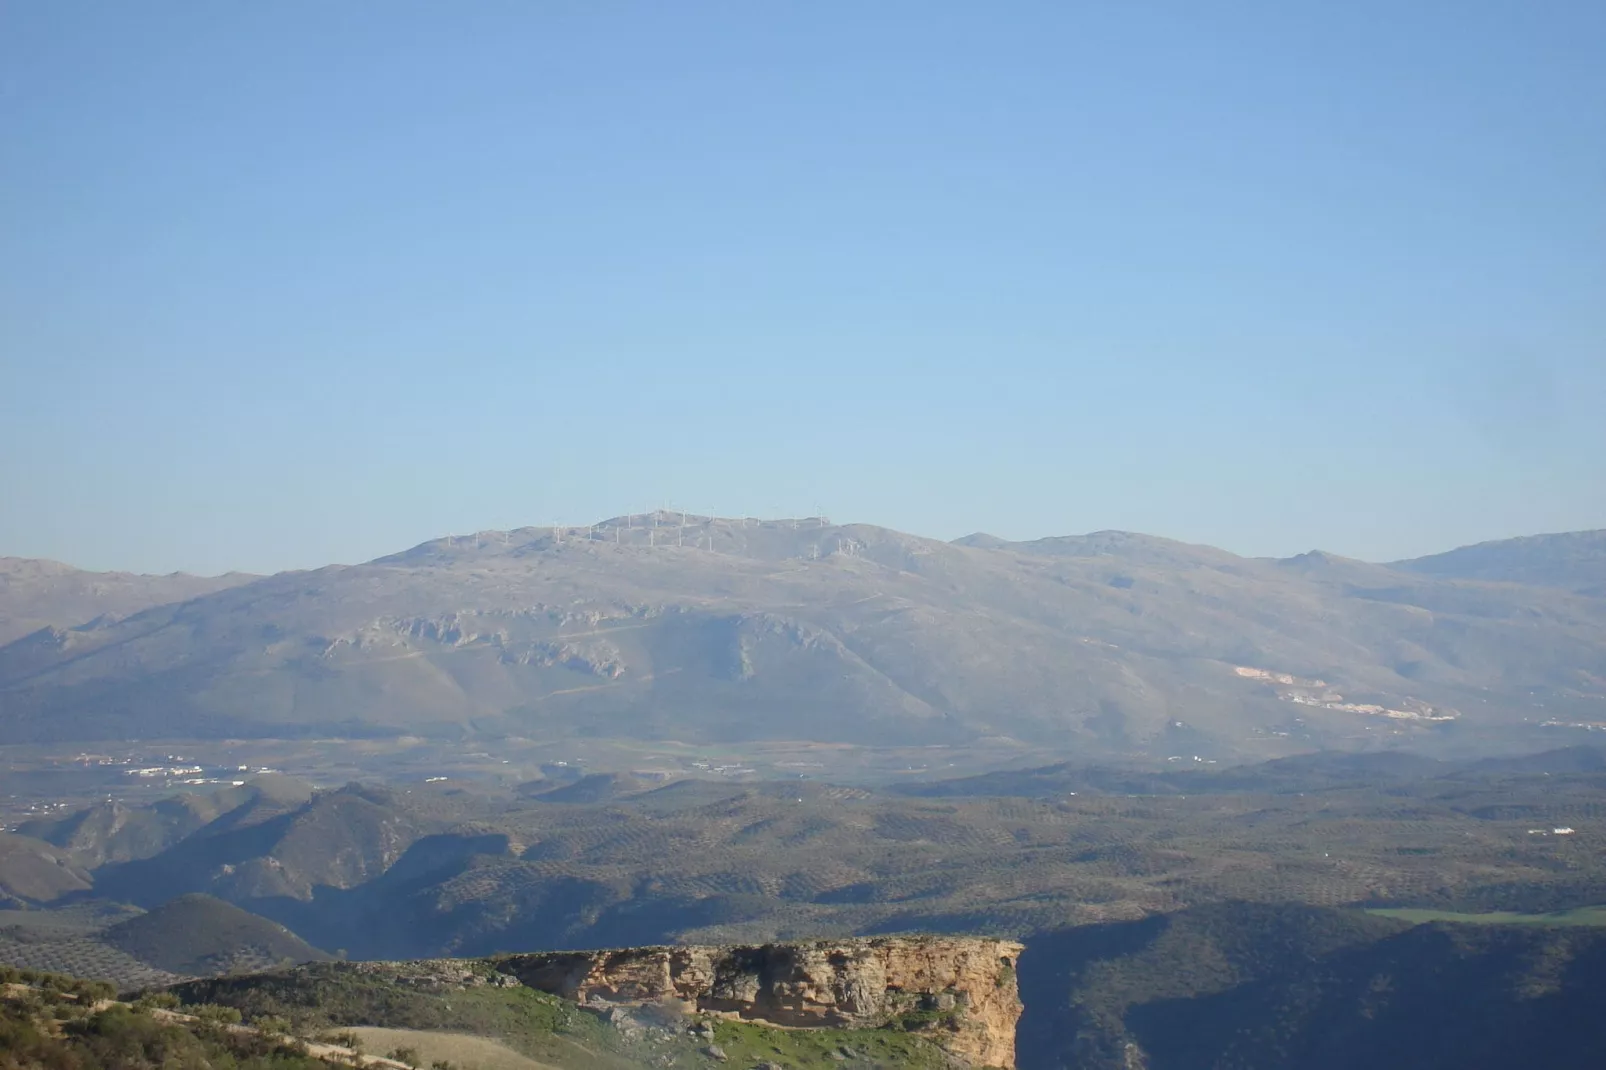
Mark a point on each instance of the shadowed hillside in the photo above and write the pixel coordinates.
(1290, 988)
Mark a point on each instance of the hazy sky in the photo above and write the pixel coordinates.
(295, 282)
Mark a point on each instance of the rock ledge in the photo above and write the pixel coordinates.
(959, 992)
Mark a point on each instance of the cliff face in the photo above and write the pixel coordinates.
(961, 993)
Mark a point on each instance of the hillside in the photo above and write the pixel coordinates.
(113, 831)
(1574, 560)
(717, 629)
(197, 935)
(54, 1022)
(37, 594)
(34, 871)
(1294, 988)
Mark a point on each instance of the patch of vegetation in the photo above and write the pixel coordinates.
(750, 1043)
(57, 984)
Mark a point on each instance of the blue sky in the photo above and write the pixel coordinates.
(290, 283)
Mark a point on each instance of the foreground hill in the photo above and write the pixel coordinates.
(50, 1022)
(1294, 988)
(714, 629)
(934, 1003)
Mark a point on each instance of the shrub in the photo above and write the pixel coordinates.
(272, 1023)
(212, 1012)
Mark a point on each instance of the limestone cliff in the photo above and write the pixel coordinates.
(959, 992)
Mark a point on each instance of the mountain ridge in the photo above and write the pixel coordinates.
(1573, 560)
(40, 593)
(664, 626)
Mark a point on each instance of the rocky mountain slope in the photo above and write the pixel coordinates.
(729, 629)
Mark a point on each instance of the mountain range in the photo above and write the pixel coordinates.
(434, 869)
(663, 626)
(1189, 918)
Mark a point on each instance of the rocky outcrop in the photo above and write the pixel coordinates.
(959, 992)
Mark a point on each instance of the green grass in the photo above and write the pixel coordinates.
(1593, 915)
(749, 1043)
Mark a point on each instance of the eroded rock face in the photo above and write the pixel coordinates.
(959, 992)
